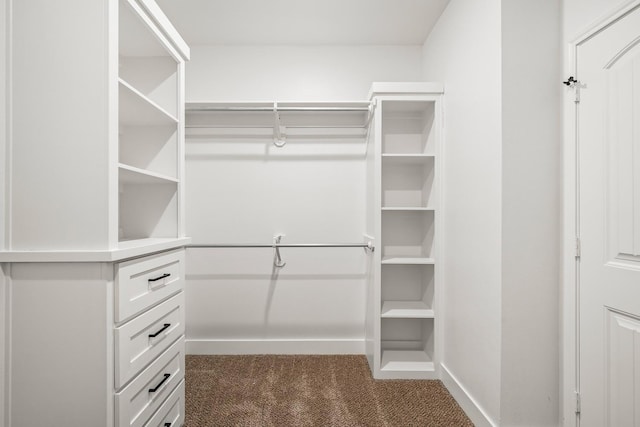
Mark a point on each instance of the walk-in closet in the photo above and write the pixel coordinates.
(293, 213)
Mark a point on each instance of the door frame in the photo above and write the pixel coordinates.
(570, 291)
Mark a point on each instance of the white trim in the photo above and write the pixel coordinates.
(569, 315)
(272, 346)
(605, 21)
(469, 405)
(8, 339)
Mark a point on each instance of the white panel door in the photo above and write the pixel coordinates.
(609, 225)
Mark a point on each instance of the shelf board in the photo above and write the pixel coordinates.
(407, 158)
(136, 109)
(406, 310)
(408, 208)
(133, 175)
(407, 260)
(125, 250)
(394, 360)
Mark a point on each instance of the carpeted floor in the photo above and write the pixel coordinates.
(297, 390)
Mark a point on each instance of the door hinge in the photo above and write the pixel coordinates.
(577, 403)
(578, 247)
(576, 86)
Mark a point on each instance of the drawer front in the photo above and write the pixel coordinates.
(138, 401)
(142, 283)
(171, 413)
(142, 339)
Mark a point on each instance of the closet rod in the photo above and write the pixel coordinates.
(270, 127)
(271, 109)
(368, 245)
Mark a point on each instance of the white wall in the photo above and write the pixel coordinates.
(463, 51)
(500, 62)
(531, 153)
(244, 190)
(296, 73)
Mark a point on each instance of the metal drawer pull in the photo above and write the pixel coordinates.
(166, 325)
(153, 390)
(160, 277)
(167, 424)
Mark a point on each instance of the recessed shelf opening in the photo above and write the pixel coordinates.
(153, 148)
(148, 211)
(407, 344)
(408, 184)
(407, 234)
(156, 77)
(407, 127)
(407, 290)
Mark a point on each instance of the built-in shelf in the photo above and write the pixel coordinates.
(407, 260)
(408, 208)
(133, 175)
(125, 250)
(136, 109)
(406, 310)
(406, 158)
(406, 360)
(407, 141)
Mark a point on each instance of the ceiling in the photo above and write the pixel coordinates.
(303, 22)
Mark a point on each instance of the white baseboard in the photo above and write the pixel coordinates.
(203, 347)
(468, 404)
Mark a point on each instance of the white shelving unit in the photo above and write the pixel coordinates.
(406, 275)
(105, 161)
(95, 254)
(150, 80)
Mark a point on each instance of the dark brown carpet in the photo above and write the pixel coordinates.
(297, 390)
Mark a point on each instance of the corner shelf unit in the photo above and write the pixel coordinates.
(150, 129)
(406, 129)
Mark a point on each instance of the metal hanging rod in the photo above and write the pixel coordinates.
(276, 245)
(271, 109)
(367, 245)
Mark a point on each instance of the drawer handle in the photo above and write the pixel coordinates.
(165, 275)
(167, 424)
(166, 325)
(153, 390)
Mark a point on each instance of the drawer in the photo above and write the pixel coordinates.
(142, 283)
(171, 413)
(138, 401)
(142, 339)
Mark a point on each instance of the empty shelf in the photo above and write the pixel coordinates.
(408, 208)
(406, 309)
(407, 260)
(408, 360)
(407, 158)
(133, 175)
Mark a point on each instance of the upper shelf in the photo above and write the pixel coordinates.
(269, 114)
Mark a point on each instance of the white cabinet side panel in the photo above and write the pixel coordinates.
(59, 140)
(61, 345)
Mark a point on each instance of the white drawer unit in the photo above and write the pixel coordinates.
(142, 283)
(137, 402)
(139, 341)
(171, 413)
